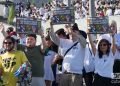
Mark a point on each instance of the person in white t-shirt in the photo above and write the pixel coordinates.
(58, 57)
(108, 12)
(117, 11)
(113, 27)
(49, 56)
(42, 10)
(104, 55)
(89, 67)
(73, 61)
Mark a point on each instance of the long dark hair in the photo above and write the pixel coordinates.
(100, 53)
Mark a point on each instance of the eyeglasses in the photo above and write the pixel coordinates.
(103, 44)
(7, 42)
(112, 26)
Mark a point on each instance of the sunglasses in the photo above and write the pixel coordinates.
(112, 26)
(7, 42)
(103, 44)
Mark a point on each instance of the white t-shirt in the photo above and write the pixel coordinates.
(89, 60)
(25, 13)
(47, 66)
(117, 39)
(109, 12)
(74, 59)
(41, 11)
(117, 12)
(104, 65)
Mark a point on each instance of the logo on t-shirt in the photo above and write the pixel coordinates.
(9, 62)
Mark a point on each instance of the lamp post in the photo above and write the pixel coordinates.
(92, 13)
(69, 3)
(92, 8)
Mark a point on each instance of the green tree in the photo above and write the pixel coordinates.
(11, 14)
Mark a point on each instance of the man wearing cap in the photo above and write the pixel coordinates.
(73, 61)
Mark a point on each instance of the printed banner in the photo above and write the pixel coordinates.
(63, 16)
(27, 25)
(98, 25)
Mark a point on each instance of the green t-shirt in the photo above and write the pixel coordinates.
(36, 59)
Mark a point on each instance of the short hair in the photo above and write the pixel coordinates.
(75, 27)
(83, 33)
(47, 38)
(10, 29)
(31, 35)
(61, 31)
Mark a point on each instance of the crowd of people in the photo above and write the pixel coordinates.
(66, 57)
(81, 9)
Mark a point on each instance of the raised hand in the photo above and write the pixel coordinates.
(40, 32)
(88, 31)
(113, 32)
(1, 27)
(68, 29)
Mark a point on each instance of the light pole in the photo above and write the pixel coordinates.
(92, 13)
(92, 8)
(69, 3)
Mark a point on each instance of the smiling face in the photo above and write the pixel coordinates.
(104, 46)
(30, 41)
(8, 45)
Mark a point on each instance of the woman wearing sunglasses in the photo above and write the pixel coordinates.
(104, 56)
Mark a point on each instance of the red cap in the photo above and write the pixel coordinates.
(13, 33)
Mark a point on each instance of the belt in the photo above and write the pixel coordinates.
(71, 73)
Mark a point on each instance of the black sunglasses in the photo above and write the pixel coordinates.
(103, 44)
(7, 42)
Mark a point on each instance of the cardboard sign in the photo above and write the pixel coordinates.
(27, 25)
(98, 25)
(63, 16)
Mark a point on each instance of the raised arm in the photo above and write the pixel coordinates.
(43, 43)
(53, 36)
(82, 40)
(91, 43)
(113, 46)
(2, 29)
(75, 35)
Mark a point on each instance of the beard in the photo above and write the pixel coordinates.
(10, 49)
